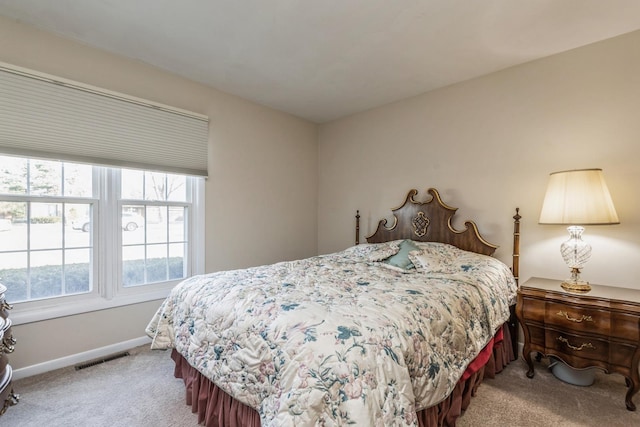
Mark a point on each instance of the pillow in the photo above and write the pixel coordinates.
(444, 249)
(432, 262)
(401, 259)
(372, 252)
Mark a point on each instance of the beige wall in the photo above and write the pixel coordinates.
(488, 145)
(261, 200)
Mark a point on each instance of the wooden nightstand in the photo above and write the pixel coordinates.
(7, 343)
(600, 328)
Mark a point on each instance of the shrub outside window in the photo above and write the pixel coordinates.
(40, 255)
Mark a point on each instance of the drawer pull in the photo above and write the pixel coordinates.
(7, 345)
(584, 317)
(572, 347)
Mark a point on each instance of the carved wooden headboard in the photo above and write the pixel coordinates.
(431, 221)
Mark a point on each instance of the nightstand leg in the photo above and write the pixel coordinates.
(526, 353)
(633, 387)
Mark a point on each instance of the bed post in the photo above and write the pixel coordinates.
(515, 268)
(357, 227)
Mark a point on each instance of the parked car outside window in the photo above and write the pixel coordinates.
(130, 222)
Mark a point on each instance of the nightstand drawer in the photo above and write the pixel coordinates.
(4, 307)
(577, 345)
(578, 319)
(536, 335)
(7, 342)
(625, 326)
(4, 361)
(533, 309)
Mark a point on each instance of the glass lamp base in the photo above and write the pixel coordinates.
(575, 253)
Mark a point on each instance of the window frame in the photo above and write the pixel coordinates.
(108, 290)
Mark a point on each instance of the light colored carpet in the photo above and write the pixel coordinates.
(512, 399)
(140, 391)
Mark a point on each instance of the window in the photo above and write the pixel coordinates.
(154, 208)
(74, 237)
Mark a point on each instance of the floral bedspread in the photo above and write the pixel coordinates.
(341, 338)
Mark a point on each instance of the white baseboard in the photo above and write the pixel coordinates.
(74, 359)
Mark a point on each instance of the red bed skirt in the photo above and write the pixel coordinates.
(215, 408)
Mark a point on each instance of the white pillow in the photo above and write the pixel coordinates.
(372, 252)
(429, 261)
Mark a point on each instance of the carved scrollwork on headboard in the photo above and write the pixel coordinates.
(420, 224)
(430, 221)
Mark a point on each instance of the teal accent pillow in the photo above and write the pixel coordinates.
(401, 259)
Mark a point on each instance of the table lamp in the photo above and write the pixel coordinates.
(577, 198)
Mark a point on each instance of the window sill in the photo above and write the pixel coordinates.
(54, 308)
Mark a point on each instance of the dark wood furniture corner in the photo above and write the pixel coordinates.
(7, 343)
(600, 328)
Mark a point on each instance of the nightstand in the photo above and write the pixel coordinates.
(600, 328)
(7, 343)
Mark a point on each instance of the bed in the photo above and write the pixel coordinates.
(400, 330)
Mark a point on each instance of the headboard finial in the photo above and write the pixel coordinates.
(358, 227)
(515, 265)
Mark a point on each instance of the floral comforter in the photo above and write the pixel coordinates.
(340, 338)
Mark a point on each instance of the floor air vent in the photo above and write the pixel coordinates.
(99, 361)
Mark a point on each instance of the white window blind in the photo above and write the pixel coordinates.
(51, 117)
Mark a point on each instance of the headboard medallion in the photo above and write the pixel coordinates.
(420, 224)
(430, 221)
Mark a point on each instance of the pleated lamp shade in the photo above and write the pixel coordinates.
(578, 197)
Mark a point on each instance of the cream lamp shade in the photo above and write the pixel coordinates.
(576, 198)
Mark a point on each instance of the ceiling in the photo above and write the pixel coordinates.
(325, 59)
